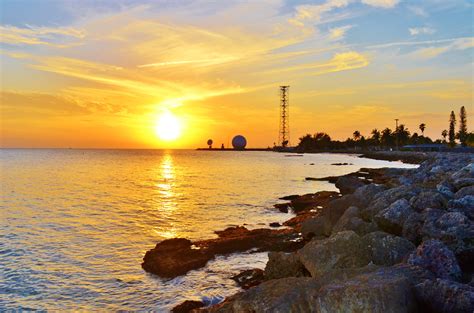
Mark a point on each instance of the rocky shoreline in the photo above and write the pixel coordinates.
(393, 240)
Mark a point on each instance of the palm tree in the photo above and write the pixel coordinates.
(422, 128)
(376, 136)
(356, 135)
(444, 133)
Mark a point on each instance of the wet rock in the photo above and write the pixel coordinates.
(290, 197)
(342, 250)
(428, 199)
(374, 292)
(174, 257)
(386, 249)
(187, 306)
(282, 265)
(393, 218)
(249, 278)
(349, 184)
(275, 224)
(283, 207)
(340, 164)
(464, 191)
(316, 226)
(445, 296)
(434, 256)
(309, 201)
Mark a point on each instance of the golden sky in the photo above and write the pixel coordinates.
(101, 73)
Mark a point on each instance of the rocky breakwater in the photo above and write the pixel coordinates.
(403, 245)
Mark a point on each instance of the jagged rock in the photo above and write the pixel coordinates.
(380, 291)
(446, 189)
(187, 306)
(337, 207)
(283, 207)
(465, 172)
(386, 249)
(282, 265)
(464, 191)
(383, 199)
(342, 250)
(316, 226)
(434, 256)
(349, 184)
(412, 228)
(392, 218)
(428, 199)
(463, 182)
(367, 193)
(249, 278)
(445, 296)
(350, 221)
(464, 204)
(309, 201)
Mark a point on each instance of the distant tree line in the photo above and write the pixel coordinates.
(389, 139)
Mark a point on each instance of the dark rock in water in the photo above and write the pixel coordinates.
(290, 197)
(465, 191)
(249, 278)
(340, 164)
(348, 184)
(445, 296)
(392, 218)
(309, 201)
(316, 226)
(174, 257)
(187, 306)
(386, 249)
(342, 250)
(275, 224)
(434, 256)
(281, 265)
(374, 292)
(428, 199)
(283, 207)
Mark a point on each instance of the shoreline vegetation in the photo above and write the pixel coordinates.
(392, 240)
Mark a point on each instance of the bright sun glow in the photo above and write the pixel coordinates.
(168, 127)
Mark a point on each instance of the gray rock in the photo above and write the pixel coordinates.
(385, 198)
(464, 191)
(463, 182)
(342, 250)
(316, 226)
(337, 207)
(374, 292)
(386, 249)
(412, 228)
(350, 221)
(445, 296)
(392, 218)
(428, 199)
(281, 264)
(465, 172)
(445, 188)
(434, 256)
(348, 184)
(367, 193)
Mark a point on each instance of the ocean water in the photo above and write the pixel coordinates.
(75, 224)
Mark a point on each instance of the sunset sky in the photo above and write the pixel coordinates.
(102, 73)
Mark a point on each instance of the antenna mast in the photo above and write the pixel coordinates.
(284, 132)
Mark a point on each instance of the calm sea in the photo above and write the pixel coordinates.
(75, 224)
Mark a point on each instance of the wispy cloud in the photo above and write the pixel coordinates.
(421, 31)
(31, 35)
(338, 32)
(455, 45)
(386, 4)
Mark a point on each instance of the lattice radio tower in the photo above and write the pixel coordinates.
(284, 133)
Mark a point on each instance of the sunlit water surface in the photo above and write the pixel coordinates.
(75, 224)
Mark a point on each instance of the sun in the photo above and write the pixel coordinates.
(168, 127)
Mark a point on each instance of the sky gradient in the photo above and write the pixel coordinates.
(98, 74)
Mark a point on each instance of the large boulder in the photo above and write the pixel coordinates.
(392, 218)
(349, 184)
(365, 194)
(282, 265)
(465, 191)
(463, 182)
(337, 207)
(316, 226)
(428, 199)
(386, 249)
(342, 250)
(412, 228)
(464, 204)
(380, 291)
(445, 296)
(434, 256)
(383, 199)
(350, 220)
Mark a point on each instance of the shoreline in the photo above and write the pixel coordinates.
(327, 218)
